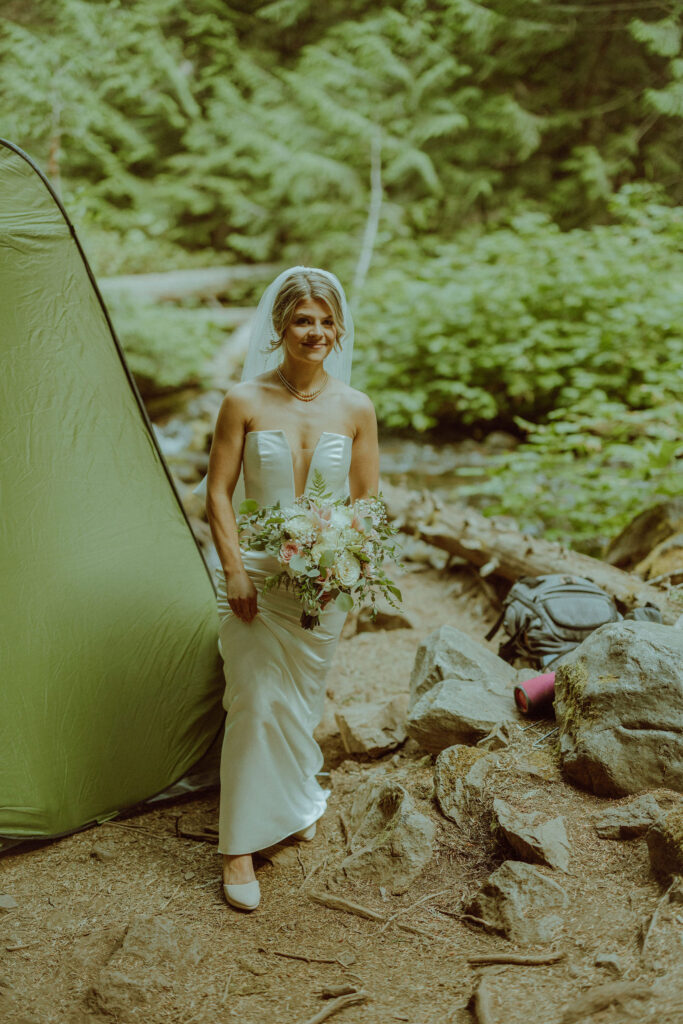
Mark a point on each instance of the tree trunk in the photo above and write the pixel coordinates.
(496, 546)
(173, 285)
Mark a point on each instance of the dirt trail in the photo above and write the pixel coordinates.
(77, 896)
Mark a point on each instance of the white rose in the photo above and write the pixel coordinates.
(347, 568)
(298, 525)
(341, 516)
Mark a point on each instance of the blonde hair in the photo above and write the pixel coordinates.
(305, 284)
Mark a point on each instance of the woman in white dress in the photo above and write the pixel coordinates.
(273, 430)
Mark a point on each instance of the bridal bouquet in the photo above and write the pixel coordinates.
(327, 548)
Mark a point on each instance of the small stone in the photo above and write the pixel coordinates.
(521, 902)
(373, 728)
(461, 782)
(629, 820)
(391, 841)
(8, 902)
(251, 965)
(189, 875)
(612, 961)
(498, 738)
(544, 843)
(102, 852)
(448, 653)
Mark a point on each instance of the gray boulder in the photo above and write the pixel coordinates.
(459, 711)
(665, 844)
(461, 787)
(521, 902)
(447, 653)
(373, 727)
(619, 704)
(156, 954)
(391, 841)
(627, 821)
(539, 843)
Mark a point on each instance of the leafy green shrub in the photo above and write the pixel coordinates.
(524, 321)
(165, 346)
(581, 479)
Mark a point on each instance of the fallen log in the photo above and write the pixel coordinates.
(497, 547)
(173, 285)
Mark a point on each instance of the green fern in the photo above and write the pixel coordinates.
(318, 490)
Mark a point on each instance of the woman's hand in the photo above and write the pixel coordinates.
(242, 595)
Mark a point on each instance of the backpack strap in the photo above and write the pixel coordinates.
(496, 626)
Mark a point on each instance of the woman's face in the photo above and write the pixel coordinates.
(311, 333)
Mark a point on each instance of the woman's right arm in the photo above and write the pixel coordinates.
(225, 459)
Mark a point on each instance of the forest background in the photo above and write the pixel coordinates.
(499, 184)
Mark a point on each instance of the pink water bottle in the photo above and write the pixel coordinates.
(535, 694)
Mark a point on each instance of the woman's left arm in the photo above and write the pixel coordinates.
(364, 471)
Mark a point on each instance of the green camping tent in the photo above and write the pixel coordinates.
(110, 675)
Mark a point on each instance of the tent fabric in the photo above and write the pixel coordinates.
(110, 675)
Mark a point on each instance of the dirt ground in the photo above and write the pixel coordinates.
(77, 896)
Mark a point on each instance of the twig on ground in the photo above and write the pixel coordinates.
(599, 998)
(338, 1004)
(339, 903)
(404, 910)
(334, 991)
(227, 986)
(515, 958)
(660, 903)
(302, 956)
(138, 831)
(172, 896)
(303, 866)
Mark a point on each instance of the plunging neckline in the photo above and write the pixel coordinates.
(278, 430)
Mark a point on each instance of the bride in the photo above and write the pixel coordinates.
(292, 414)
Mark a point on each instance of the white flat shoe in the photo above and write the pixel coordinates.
(306, 833)
(245, 895)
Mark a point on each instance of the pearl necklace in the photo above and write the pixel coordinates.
(302, 395)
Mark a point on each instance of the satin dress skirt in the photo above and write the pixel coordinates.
(274, 698)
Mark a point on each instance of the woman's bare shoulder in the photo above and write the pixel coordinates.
(245, 396)
(355, 399)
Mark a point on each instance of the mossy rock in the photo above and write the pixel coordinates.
(665, 844)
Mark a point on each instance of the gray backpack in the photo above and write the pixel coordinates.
(545, 617)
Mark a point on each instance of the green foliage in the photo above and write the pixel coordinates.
(247, 129)
(166, 347)
(582, 478)
(527, 321)
(527, 269)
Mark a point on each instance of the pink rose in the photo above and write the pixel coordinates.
(288, 550)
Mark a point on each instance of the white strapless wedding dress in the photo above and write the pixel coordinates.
(275, 670)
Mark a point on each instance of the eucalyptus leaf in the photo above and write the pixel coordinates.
(248, 507)
(344, 602)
